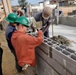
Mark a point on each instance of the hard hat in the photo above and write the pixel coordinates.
(23, 20)
(12, 17)
(46, 12)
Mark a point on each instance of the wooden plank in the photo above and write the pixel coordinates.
(55, 65)
(40, 72)
(44, 66)
(69, 66)
(68, 73)
(60, 60)
(63, 56)
(46, 50)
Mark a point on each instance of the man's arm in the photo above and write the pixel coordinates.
(46, 25)
(32, 40)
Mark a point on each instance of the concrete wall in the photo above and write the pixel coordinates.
(54, 59)
(67, 9)
(70, 21)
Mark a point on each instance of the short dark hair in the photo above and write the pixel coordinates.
(17, 23)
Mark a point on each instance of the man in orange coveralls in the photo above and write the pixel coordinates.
(24, 46)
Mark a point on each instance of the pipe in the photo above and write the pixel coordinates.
(5, 7)
(9, 6)
(2, 17)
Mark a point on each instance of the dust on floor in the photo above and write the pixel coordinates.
(8, 62)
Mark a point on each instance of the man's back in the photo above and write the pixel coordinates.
(38, 16)
(9, 30)
(24, 45)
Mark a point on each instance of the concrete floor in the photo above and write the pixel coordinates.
(66, 31)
